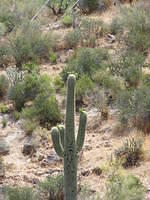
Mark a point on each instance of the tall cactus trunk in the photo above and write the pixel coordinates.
(70, 155)
(65, 144)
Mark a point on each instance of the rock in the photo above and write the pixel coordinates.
(87, 147)
(35, 181)
(97, 171)
(4, 147)
(85, 173)
(110, 38)
(107, 144)
(41, 157)
(28, 149)
(56, 26)
(53, 157)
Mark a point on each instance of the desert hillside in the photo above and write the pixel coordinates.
(74, 100)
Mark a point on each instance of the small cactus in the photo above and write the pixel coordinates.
(65, 144)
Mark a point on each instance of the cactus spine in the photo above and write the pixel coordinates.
(66, 145)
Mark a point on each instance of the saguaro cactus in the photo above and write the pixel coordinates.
(65, 143)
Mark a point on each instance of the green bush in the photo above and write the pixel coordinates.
(4, 122)
(129, 67)
(122, 187)
(116, 26)
(3, 85)
(72, 39)
(88, 5)
(105, 80)
(30, 44)
(53, 58)
(84, 85)
(46, 108)
(53, 186)
(67, 21)
(131, 153)
(17, 193)
(138, 34)
(3, 108)
(58, 83)
(30, 125)
(134, 107)
(86, 62)
(31, 67)
(16, 115)
(17, 94)
(3, 29)
(86, 193)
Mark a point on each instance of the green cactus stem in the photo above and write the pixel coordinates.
(66, 145)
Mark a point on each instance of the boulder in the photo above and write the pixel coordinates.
(4, 147)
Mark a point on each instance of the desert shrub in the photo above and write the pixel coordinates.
(16, 115)
(146, 80)
(84, 85)
(5, 54)
(137, 36)
(58, 6)
(53, 58)
(85, 193)
(29, 44)
(53, 186)
(116, 26)
(72, 39)
(17, 95)
(134, 106)
(3, 108)
(130, 153)
(7, 17)
(30, 125)
(129, 67)
(20, 193)
(105, 80)
(3, 29)
(47, 109)
(123, 187)
(88, 6)
(67, 21)
(58, 83)
(3, 85)
(4, 122)
(31, 67)
(86, 62)
(90, 30)
(44, 109)
(27, 89)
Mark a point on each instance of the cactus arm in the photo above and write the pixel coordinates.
(61, 129)
(57, 141)
(81, 131)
